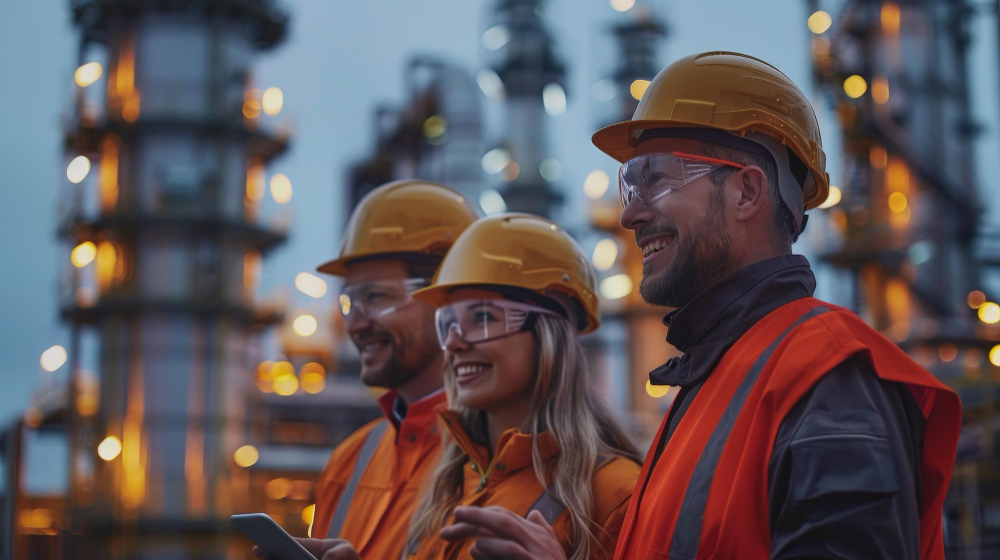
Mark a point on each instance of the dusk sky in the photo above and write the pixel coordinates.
(340, 59)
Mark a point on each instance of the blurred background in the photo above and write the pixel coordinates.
(177, 169)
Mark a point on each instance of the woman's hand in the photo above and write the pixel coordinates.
(504, 535)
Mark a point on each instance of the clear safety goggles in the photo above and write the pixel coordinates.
(479, 320)
(652, 177)
(380, 297)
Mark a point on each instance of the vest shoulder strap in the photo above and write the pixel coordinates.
(347, 496)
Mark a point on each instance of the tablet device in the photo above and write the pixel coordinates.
(270, 537)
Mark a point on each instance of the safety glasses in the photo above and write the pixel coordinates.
(379, 298)
(652, 177)
(479, 320)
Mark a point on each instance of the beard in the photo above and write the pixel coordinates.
(700, 259)
(410, 354)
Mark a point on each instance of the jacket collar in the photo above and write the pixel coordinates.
(422, 413)
(718, 316)
(513, 447)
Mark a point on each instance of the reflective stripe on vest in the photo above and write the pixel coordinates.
(549, 506)
(687, 531)
(365, 457)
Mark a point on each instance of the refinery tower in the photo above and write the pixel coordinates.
(166, 144)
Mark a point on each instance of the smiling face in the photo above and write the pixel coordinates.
(397, 347)
(494, 374)
(684, 237)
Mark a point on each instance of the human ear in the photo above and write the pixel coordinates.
(751, 193)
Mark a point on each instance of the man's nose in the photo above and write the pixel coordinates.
(357, 321)
(636, 215)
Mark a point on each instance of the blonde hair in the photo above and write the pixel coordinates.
(564, 403)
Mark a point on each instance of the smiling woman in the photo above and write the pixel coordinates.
(527, 432)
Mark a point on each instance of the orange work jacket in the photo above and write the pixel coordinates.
(509, 480)
(707, 494)
(377, 517)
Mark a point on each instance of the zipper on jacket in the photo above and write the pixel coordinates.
(483, 474)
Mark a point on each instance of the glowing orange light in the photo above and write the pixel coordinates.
(125, 77)
(286, 385)
(976, 299)
(890, 18)
(435, 126)
(899, 220)
(281, 188)
(33, 417)
(246, 456)
(855, 86)
(897, 296)
(638, 88)
(878, 157)
(897, 202)
(995, 355)
(133, 457)
(605, 254)
(109, 448)
(272, 101)
(277, 489)
(87, 403)
(656, 391)
(37, 519)
(107, 265)
(107, 177)
(251, 270)
(252, 103)
(265, 376)
(898, 176)
(305, 325)
(132, 107)
(307, 514)
(947, 352)
(880, 90)
(616, 287)
(83, 254)
(284, 381)
(313, 376)
(989, 313)
(310, 285)
(819, 22)
(833, 198)
(255, 180)
(88, 73)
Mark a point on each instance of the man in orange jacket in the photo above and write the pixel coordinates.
(798, 431)
(395, 239)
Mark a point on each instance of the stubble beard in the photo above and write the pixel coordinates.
(700, 260)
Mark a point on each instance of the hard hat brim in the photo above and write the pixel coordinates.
(336, 267)
(439, 295)
(614, 139)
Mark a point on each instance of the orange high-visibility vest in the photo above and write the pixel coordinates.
(707, 494)
(368, 490)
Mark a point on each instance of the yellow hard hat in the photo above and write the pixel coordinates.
(731, 92)
(519, 251)
(403, 217)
